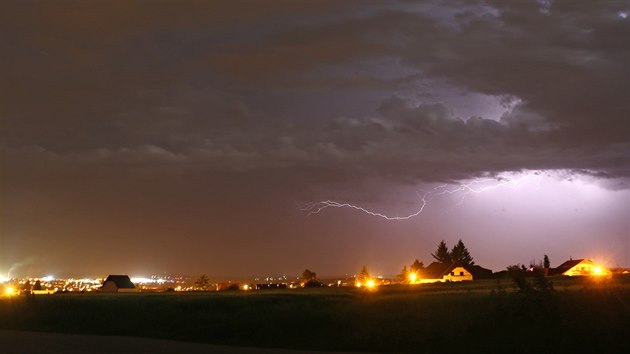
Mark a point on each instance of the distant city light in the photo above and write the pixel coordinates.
(143, 280)
(48, 278)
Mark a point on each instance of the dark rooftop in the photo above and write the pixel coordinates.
(564, 266)
(121, 281)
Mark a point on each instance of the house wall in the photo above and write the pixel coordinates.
(109, 287)
(458, 274)
(587, 268)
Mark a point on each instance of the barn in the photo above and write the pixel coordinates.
(118, 284)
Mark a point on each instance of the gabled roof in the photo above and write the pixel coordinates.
(479, 272)
(436, 270)
(121, 281)
(565, 266)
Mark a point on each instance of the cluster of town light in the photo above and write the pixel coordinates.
(50, 285)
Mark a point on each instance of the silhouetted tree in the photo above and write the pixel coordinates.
(546, 263)
(404, 274)
(309, 279)
(203, 282)
(461, 255)
(442, 254)
(517, 273)
(363, 275)
(533, 265)
(542, 283)
(27, 286)
(233, 287)
(417, 267)
(308, 275)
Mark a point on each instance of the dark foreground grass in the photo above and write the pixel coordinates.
(469, 318)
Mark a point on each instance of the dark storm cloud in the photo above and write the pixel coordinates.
(132, 120)
(144, 82)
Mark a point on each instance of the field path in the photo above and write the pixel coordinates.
(21, 342)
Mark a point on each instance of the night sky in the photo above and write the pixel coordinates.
(144, 137)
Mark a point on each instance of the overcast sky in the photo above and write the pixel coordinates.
(144, 137)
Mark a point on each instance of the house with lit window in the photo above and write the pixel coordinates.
(443, 272)
(580, 267)
(118, 284)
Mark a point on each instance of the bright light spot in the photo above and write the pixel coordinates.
(48, 278)
(358, 284)
(413, 277)
(154, 280)
(623, 15)
(597, 270)
(245, 287)
(141, 280)
(9, 291)
(370, 284)
(3, 279)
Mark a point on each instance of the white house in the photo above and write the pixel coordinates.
(577, 267)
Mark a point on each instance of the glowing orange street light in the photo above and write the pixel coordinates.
(413, 277)
(9, 291)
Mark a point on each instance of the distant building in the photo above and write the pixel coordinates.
(443, 272)
(620, 270)
(118, 284)
(577, 267)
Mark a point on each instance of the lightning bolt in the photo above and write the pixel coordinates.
(465, 189)
(316, 208)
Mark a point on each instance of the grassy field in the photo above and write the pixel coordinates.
(582, 315)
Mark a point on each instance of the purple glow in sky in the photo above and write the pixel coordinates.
(151, 136)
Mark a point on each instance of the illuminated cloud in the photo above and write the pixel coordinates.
(124, 112)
